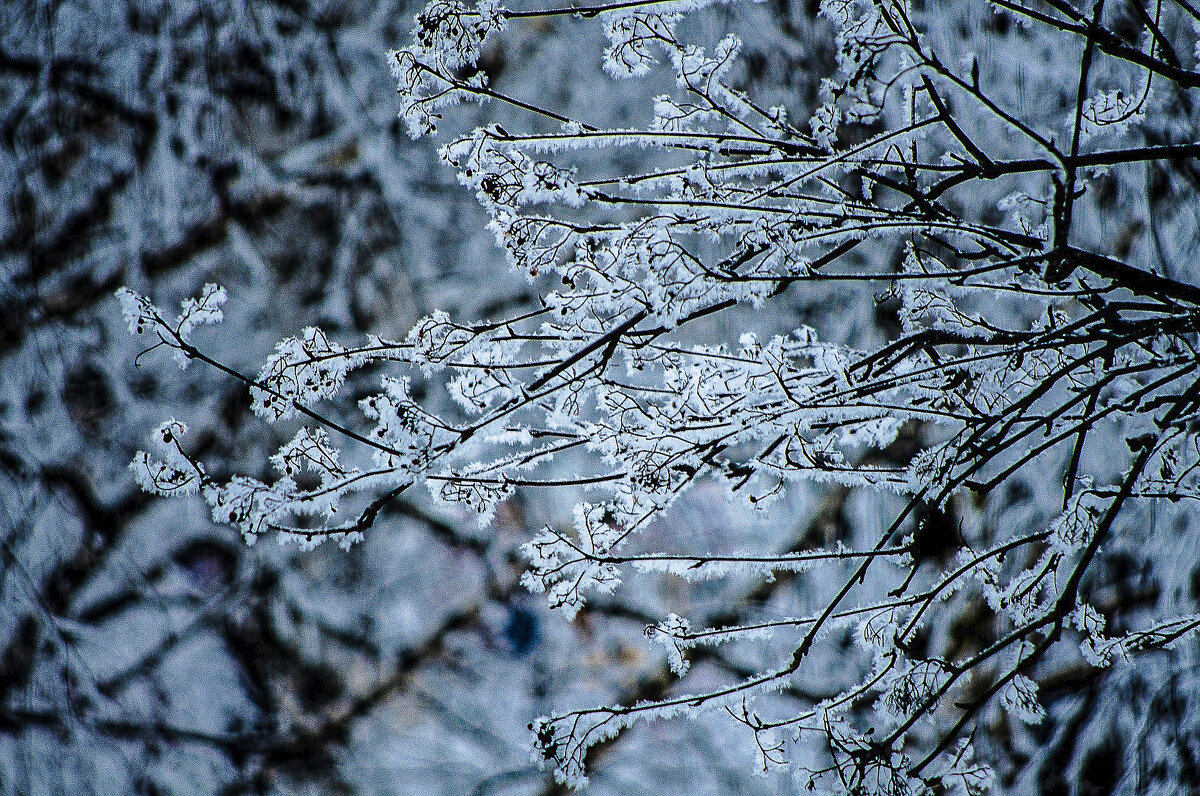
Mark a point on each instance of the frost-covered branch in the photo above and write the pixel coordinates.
(1028, 334)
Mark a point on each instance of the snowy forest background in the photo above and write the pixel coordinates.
(145, 649)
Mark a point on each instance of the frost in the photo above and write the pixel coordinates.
(453, 33)
(175, 473)
(200, 311)
(142, 316)
(302, 371)
(567, 568)
(310, 450)
(632, 39)
(449, 37)
(1077, 525)
(1110, 112)
(913, 688)
(139, 313)
(1020, 697)
(671, 634)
